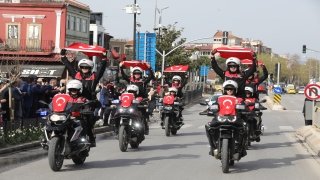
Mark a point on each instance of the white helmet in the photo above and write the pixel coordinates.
(173, 89)
(75, 84)
(176, 78)
(247, 88)
(137, 70)
(230, 84)
(133, 89)
(233, 61)
(86, 63)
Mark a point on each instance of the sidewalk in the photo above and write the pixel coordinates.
(33, 150)
(311, 136)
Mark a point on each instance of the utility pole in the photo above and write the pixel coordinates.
(134, 31)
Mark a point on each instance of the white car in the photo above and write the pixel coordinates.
(301, 90)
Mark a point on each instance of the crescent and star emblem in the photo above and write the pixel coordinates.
(125, 100)
(59, 104)
(227, 100)
(172, 68)
(90, 47)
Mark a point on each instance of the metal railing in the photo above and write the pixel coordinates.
(26, 45)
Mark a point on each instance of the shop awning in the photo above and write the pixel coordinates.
(42, 70)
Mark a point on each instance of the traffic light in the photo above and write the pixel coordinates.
(304, 49)
(225, 37)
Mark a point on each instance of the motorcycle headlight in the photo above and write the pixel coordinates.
(214, 107)
(232, 119)
(168, 107)
(221, 119)
(239, 106)
(131, 110)
(56, 117)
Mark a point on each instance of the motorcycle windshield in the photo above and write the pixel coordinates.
(250, 100)
(126, 99)
(59, 102)
(227, 105)
(168, 100)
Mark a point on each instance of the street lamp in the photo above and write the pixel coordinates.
(138, 25)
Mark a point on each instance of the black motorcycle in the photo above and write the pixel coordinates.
(65, 137)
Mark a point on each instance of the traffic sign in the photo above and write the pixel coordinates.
(277, 98)
(277, 90)
(312, 91)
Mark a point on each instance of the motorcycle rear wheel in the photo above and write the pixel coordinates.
(225, 155)
(54, 154)
(166, 124)
(123, 144)
(79, 160)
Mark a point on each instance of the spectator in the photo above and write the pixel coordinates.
(29, 91)
(164, 90)
(152, 101)
(17, 95)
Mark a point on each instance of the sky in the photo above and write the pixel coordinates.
(283, 25)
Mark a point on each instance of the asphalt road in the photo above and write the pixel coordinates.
(279, 155)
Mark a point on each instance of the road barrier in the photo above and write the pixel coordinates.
(277, 98)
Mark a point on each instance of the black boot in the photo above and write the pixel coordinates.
(146, 131)
(92, 141)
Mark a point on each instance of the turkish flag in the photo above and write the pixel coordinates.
(227, 105)
(136, 63)
(87, 49)
(241, 53)
(249, 62)
(177, 68)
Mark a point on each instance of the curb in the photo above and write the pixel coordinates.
(273, 106)
(311, 136)
(33, 150)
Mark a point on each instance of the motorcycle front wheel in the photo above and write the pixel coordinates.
(54, 154)
(123, 144)
(166, 124)
(79, 160)
(225, 155)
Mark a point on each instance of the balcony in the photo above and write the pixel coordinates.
(26, 46)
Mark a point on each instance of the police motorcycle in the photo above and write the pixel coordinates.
(65, 137)
(129, 110)
(170, 114)
(227, 133)
(253, 118)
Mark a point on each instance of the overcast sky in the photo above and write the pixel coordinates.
(283, 25)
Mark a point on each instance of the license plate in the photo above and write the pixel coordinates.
(115, 101)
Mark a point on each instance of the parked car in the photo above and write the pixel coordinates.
(301, 89)
(262, 88)
(218, 87)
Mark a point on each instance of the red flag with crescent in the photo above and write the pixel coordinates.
(169, 100)
(126, 99)
(241, 53)
(136, 63)
(87, 49)
(59, 102)
(227, 105)
(177, 68)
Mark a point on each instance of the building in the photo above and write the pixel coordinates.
(202, 49)
(233, 41)
(256, 45)
(96, 29)
(34, 33)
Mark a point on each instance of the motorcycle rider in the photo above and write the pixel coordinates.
(174, 92)
(89, 81)
(230, 87)
(233, 71)
(251, 99)
(137, 80)
(254, 82)
(110, 95)
(134, 89)
(176, 83)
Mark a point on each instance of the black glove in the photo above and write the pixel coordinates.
(254, 56)
(63, 52)
(104, 56)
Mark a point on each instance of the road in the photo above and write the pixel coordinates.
(279, 155)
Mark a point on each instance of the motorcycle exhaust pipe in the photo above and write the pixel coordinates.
(215, 153)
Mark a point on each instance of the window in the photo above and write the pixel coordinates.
(84, 25)
(68, 22)
(72, 22)
(66, 43)
(117, 49)
(34, 31)
(13, 31)
(78, 24)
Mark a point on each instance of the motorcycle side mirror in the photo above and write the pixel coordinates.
(145, 99)
(203, 103)
(43, 102)
(263, 101)
(207, 100)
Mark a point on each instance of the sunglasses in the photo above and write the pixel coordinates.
(232, 66)
(84, 67)
(72, 89)
(229, 89)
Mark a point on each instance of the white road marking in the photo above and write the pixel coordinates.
(201, 127)
(286, 127)
(186, 126)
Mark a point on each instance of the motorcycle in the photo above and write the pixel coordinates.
(170, 120)
(227, 132)
(132, 127)
(253, 121)
(65, 137)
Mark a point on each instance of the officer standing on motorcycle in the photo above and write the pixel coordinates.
(137, 80)
(89, 81)
(233, 71)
